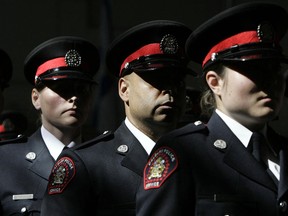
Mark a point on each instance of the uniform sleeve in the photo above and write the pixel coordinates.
(68, 191)
(166, 189)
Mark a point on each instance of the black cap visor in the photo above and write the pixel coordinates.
(157, 63)
(248, 52)
(64, 74)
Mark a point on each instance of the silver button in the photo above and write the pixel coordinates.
(283, 206)
(122, 148)
(23, 210)
(197, 123)
(31, 156)
(220, 144)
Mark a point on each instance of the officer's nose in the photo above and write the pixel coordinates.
(73, 99)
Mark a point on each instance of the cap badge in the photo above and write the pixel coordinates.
(72, 58)
(220, 144)
(169, 44)
(265, 32)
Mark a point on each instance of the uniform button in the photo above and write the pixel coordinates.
(123, 149)
(23, 210)
(283, 206)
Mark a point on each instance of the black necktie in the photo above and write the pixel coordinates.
(257, 140)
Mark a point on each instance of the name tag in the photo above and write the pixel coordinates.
(22, 196)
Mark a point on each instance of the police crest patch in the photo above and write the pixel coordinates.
(160, 166)
(61, 174)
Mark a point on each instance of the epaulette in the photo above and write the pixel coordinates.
(194, 127)
(105, 136)
(191, 128)
(20, 139)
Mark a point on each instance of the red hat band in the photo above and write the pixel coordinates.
(51, 64)
(71, 59)
(238, 39)
(149, 49)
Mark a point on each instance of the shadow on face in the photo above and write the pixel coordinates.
(69, 88)
(163, 79)
(263, 73)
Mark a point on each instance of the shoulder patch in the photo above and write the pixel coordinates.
(61, 174)
(162, 163)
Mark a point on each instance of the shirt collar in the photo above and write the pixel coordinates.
(241, 132)
(54, 145)
(145, 141)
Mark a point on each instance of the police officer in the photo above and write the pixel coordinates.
(102, 176)
(216, 169)
(61, 71)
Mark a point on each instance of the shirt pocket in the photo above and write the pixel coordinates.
(22, 207)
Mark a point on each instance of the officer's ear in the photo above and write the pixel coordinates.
(214, 81)
(123, 89)
(35, 98)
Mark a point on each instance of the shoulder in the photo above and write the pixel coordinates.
(164, 158)
(73, 163)
(195, 128)
(104, 137)
(19, 140)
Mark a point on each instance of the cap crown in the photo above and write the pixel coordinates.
(64, 57)
(160, 40)
(246, 30)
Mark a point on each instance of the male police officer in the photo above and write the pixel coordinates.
(102, 176)
(215, 169)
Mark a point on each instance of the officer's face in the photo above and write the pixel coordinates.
(153, 98)
(63, 103)
(252, 93)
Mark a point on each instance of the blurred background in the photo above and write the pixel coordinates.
(26, 24)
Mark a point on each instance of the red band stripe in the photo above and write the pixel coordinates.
(50, 64)
(238, 39)
(149, 49)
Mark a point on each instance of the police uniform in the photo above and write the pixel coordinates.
(102, 176)
(205, 169)
(26, 163)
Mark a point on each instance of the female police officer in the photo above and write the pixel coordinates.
(61, 70)
(211, 169)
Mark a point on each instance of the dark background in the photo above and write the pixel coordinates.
(27, 23)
